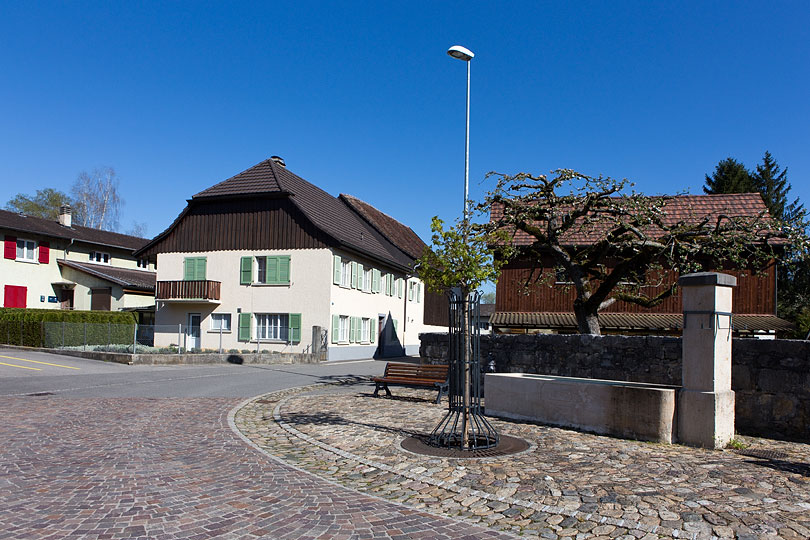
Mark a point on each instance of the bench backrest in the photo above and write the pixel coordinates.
(417, 371)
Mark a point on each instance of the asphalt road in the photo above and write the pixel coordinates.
(24, 373)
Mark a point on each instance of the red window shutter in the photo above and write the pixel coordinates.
(10, 247)
(14, 296)
(44, 252)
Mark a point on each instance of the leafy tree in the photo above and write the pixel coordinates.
(97, 203)
(45, 204)
(609, 241)
(460, 257)
(730, 176)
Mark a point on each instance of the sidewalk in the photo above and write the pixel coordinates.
(567, 485)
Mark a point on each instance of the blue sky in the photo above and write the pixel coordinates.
(361, 98)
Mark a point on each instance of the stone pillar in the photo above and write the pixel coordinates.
(706, 401)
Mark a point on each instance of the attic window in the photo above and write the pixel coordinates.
(99, 257)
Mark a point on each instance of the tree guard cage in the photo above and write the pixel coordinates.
(464, 415)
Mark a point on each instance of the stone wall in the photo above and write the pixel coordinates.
(771, 378)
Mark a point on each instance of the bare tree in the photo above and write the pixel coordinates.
(138, 229)
(604, 238)
(96, 199)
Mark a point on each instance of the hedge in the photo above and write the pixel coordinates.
(57, 328)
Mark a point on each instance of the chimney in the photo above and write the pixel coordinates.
(279, 160)
(64, 215)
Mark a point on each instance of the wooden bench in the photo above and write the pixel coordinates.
(413, 375)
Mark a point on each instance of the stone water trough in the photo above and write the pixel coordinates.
(630, 410)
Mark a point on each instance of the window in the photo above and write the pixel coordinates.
(221, 321)
(365, 330)
(25, 250)
(272, 326)
(261, 269)
(343, 329)
(364, 279)
(142, 263)
(415, 291)
(194, 269)
(345, 273)
(99, 257)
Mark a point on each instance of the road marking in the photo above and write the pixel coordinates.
(37, 362)
(21, 367)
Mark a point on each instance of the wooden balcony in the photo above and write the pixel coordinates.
(188, 291)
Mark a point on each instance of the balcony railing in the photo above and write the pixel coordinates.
(188, 290)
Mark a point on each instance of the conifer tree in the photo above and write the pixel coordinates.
(730, 176)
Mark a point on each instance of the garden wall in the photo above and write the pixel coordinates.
(771, 378)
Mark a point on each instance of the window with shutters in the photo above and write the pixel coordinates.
(26, 250)
(365, 330)
(272, 326)
(366, 280)
(261, 269)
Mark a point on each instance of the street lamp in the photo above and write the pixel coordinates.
(462, 53)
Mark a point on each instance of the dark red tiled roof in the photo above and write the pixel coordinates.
(397, 233)
(631, 321)
(132, 279)
(677, 208)
(47, 227)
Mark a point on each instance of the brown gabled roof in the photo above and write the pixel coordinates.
(327, 213)
(677, 208)
(631, 321)
(131, 279)
(397, 233)
(47, 227)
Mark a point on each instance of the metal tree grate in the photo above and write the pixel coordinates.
(464, 415)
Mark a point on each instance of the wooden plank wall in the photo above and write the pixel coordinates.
(241, 224)
(754, 294)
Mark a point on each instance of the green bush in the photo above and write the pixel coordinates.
(57, 328)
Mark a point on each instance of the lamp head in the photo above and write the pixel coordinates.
(462, 53)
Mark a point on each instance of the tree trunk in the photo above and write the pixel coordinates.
(587, 320)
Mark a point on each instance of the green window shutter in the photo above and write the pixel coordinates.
(354, 275)
(246, 271)
(188, 269)
(284, 269)
(360, 271)
(410, 292)
(199, 273)
(372, 331)
(336, 270)
(418, 292)
(375, 281)
(358, 335)
(295, 327)
(271, 275)
(335, 326)
(395, 327)
(352, 329)
(400, 285)
(390, 284)
(244, 326)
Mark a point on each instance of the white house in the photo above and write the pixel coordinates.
(50, 264)
(267, 261)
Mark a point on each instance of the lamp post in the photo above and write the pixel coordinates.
(462, 53)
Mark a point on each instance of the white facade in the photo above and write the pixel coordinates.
(273, 299)
(33, 273)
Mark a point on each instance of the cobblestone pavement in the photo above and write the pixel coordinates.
(567, 485)
(173, 468)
